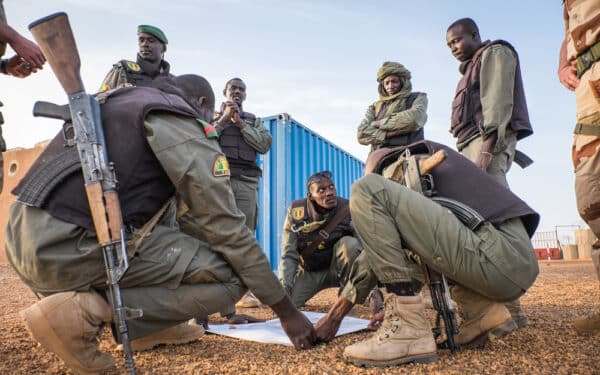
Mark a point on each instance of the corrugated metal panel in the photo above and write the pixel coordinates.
(296, 153)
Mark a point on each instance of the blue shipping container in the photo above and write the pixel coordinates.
(297, 152)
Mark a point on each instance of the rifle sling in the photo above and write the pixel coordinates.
(315, 237)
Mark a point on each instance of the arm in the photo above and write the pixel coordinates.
(24, 48)
(409, 120)
(177, 141)
(367, 133)
(288, 266)
(567, 73)
(257, 136)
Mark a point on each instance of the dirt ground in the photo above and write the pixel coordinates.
(548, 345)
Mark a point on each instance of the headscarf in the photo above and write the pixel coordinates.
(392, 68)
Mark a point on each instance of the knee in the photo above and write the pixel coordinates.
(348, 248)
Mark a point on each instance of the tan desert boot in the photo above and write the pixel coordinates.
(405, 336)
(249, 300)
(179, 334)
(68, 324)
(482, 318)
(589, 324)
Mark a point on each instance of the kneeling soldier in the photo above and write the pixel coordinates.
(318, 243)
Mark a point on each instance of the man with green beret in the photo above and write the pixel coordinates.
(398, 117)
(149, 64)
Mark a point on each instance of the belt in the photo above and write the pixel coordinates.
(587, 129)
(586, 59)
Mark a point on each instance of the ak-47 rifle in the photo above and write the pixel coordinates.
(54, 36)
(415, 175)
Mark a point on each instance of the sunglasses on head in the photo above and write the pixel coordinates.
(315, 178)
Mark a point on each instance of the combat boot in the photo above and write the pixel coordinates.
(516, 313)
(589, 324)
(405, 336)
(176, 335)
(482, 318)
(68, 324)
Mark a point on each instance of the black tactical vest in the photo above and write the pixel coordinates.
(143, 185)
(459, 179)
(320, 259)
(467, 114)
(136, 75)
(240, 155)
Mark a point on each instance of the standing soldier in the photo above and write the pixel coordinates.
(579, 71)
(242, 136)
(489, 111)
(28, 60)
(318, 244)
(149, 64)
(398, 117)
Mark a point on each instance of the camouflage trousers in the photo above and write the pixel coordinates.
(394, 221)
(586, 154)
(307, 284)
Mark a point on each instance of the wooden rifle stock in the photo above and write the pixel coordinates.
(54, 36)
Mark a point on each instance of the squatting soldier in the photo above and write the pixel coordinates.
(242, 137)
(489, 111)
(160, 148)
(492, 262)
(28, 60)
(399, 115)
(149, 63)
(579, 71)
(318, 245)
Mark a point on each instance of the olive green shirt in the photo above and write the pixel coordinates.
(407, 121)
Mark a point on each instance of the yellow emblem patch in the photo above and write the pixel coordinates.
(133, 66)
(221, 167)
(298, 213)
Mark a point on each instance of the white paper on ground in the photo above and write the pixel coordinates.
(270, 332)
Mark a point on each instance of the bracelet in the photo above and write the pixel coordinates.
(3, 68)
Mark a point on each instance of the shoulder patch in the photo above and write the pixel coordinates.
(209, 130)
(221, 167)
(297, 213)
(135, 67)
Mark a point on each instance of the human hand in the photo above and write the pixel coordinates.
(376, 320)
(327, 327)
(484, 159)
(298, 328)
(17, 67)
(28, 51)
(567, 75)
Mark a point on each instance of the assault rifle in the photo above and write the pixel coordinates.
(415, 175)
(54, 36)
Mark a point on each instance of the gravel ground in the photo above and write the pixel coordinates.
(548, 345)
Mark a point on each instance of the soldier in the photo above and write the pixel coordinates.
(149, 64)
(493, 261)
(242, 137)
(318, 245)
(28, 60)
(399, 115)
(579, 71)
(489, 111)
(160, 147)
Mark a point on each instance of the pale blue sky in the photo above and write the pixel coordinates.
(317, 61)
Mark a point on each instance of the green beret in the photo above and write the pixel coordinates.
(154, 31)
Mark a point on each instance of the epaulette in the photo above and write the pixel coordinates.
(209, 130)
